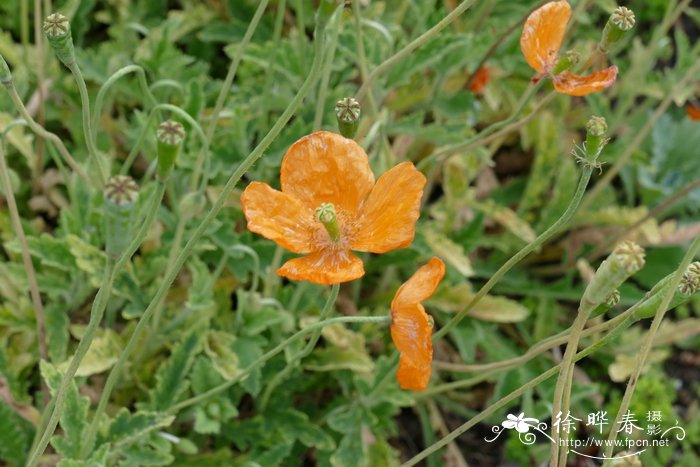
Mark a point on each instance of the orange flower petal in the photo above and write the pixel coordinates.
(411, 332)
(693, 112)
(481, 78)
(574, 85)
(324, 267)
(421, 285)
(279, 217)
(388, 217)
(411, 329)
(543, 34)
(325, 167)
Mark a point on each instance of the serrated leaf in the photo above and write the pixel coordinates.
(218, 346)
(171, 377)
(73, 420)
(89, 258)
(103, 354)
(14, 441)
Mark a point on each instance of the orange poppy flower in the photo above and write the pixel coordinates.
(540, 42)
(481, 78)
(693, 112)
(329, 204)
(411, 327)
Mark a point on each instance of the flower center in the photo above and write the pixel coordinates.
(325, 214)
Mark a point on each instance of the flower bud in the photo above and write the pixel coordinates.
(347, 111)
(566, 61)
(690, 282)
(596, 128)
(120, 197)
(620, 22)
(625, 260)
(170, 135)
(57, 30)
(5, 73)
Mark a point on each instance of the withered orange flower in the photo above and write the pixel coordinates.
(329, 204)
(693, 112)
(481, 78)
(540, 42)
(411, 327)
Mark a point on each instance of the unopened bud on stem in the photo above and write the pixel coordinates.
(5, 73)
(170, 135)
(120, 197)
(57, 30)
(596, 129)
(620, 22)
(347, 111)
(624, 261)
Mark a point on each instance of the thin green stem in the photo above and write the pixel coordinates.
(231, 74)
(26, 259)
(326, 75)
(96, 313)
(233, 180)
(101, 94)
(648, 342)
(102, 171)
(42, 132)
(515, 259)
(292, 363)
(271, 353)
(413, 45)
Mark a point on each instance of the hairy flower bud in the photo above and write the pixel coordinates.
(620, 22)
(170, 135)
(347, 111)
(120, 198)
(596, 129)
(57, 30)
(5, 73)
(624, 261)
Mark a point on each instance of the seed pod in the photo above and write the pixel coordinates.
(5, 73)
(566, 61)
(690, 282)
(596, 128)
(625, 260)
(120, 197)
(620, 22)
(57, 30)
(347, 111)
(170, 135)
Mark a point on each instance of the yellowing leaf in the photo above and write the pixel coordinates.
(450, 251)
(499, 310)
(102, 355)
(219, 348)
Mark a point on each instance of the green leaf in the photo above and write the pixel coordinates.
(89, 259)
(74, 417)
(103, 354)
(14, 437)
(218, 346)
(171, 376)
(57, 330)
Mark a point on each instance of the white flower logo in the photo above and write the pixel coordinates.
(521, 424)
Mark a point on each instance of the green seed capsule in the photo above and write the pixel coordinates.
(170, 135)
(624, 261)
(347, 111)
(596, 129)
(120, 197)
(57, 30)
(620, 22)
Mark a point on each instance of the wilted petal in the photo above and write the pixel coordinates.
(326, 167)
(421, 285)
(543, 34)
(279, 217)
(575, 85)
(328, 266)
(388, 217)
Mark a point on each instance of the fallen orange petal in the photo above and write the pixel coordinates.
(326, 167)
(575, 85)
(324, 267)
(388, 218)
(693, 112)
(543, 34)
(411, 329)
(481, 78)
(280, 218)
